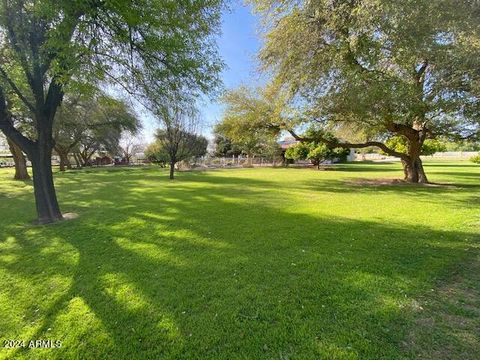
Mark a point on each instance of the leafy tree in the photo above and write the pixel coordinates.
(87, 124)
(388, 68)
(316, 152)
(245, 122)
(177, 141)
(23, 122)
(130, 145)
(430, 146)
(299, 151)
(146, 46)
(224, 147)
(156, 154)
(462, 145)
(163, 151)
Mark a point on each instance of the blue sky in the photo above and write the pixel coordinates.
(238, 46)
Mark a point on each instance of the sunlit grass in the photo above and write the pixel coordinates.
(249, 263)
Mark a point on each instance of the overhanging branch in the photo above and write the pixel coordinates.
(346, 145)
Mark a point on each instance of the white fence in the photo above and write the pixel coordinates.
(447, 155)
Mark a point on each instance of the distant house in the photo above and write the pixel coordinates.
(287, 142)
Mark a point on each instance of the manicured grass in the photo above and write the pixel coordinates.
(248, 263)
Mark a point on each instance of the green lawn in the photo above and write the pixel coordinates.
(248, 264)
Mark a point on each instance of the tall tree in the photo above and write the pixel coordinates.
(178, 140)
(46, 45)
(388, 68)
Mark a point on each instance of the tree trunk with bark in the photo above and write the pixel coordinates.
(413, 170)
(77, 160)
(85, 156)
(64, 161)
(37, 59)
(21, 172)
(45, 195)
(63, 154)
(172, 169)
(412, 164)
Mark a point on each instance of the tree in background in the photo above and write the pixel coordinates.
(388, 68)
(246, 118)
(130, 145)
(224, 146)
(47, 46)
(21, 172)
(162, 151)
(22, 121)
(90, 123)
(316, 152)
(430, 146)
(177, 141)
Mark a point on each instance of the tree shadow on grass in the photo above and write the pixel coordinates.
(459, 174)
(445, 193)
(369, 167)
(156, 274)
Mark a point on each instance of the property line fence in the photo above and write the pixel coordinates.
(446, 155)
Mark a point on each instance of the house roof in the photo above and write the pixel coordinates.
(287, 142)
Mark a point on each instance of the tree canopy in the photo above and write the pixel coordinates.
(385, 68)
(86, 124)
(178, 139)
(250, 121)
(145, 46)
(316, 151)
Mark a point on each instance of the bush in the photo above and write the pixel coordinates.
(475, 159)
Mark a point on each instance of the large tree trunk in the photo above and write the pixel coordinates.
(412, 164)
(45, 196)
(47, 99)
(172, 170)
(21, 172)
(413, 170)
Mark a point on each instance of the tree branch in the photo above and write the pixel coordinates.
(14, 42)
(6, 126)
(346, 145)
(17, 91)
